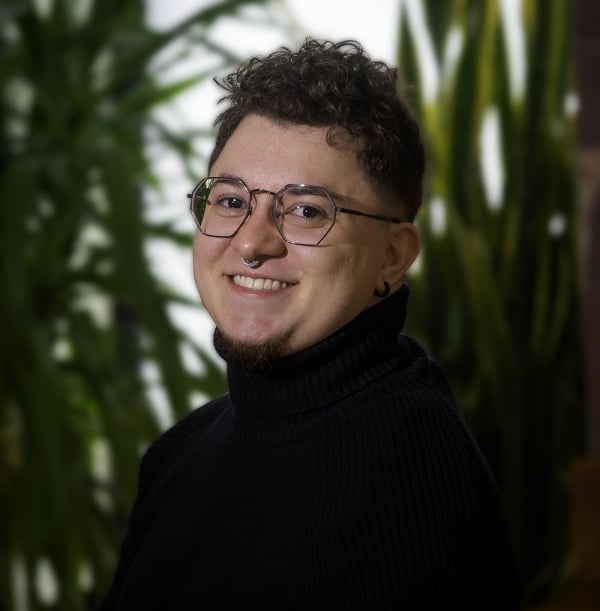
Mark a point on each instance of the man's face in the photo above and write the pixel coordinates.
(303, 293)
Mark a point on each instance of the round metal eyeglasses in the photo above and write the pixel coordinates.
(302, 214)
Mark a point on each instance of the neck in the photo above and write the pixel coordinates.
(327, 372)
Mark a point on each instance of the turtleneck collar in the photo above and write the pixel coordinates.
(327, 372)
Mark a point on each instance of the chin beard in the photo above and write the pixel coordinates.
(253, 357)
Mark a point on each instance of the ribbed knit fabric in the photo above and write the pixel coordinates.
(344, 478)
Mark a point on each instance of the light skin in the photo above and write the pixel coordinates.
(299, 295)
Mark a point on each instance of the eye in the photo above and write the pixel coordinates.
(230, 202)
(303, 206)
(308, 212)
(229, 197)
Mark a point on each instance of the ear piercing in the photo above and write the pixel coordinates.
(385, 292)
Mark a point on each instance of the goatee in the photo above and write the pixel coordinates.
(253, 357)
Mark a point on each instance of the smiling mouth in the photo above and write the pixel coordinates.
(259, 284)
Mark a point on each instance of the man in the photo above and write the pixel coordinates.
(337, 473)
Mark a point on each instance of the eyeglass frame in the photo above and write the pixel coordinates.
(276, 196)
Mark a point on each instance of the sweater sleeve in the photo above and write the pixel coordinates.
(153, 461)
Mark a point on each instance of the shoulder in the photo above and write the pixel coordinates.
(417, 430)
(168, 444)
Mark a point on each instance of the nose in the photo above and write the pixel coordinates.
(258, 236)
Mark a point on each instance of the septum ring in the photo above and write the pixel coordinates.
(251, 264)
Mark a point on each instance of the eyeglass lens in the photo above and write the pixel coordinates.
(302, 214)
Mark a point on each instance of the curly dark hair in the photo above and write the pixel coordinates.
(336, 85)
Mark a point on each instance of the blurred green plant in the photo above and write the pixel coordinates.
(495, 296)
(83, 315)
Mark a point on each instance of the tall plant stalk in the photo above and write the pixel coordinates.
(496, 297)
(83, 315)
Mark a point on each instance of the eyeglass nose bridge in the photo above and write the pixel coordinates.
(262, 191)
(251, 207)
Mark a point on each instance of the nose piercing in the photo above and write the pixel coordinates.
(251, 264)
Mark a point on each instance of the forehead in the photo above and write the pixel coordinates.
(269, 154)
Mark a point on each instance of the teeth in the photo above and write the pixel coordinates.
(259, 284)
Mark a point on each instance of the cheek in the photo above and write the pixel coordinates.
(346, 280)
(356, 265)
(204, 254)
(196, 258)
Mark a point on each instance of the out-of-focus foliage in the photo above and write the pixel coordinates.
(495, 300)
(82, 314)
(496, 297)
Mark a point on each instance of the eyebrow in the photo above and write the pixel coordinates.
(226, 175)
(343, 198)
(334, 194)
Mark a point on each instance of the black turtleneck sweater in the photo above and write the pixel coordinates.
(344, 478)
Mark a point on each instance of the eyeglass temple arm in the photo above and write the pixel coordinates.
(389, 219)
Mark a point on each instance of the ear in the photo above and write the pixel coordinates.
(403, 246)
